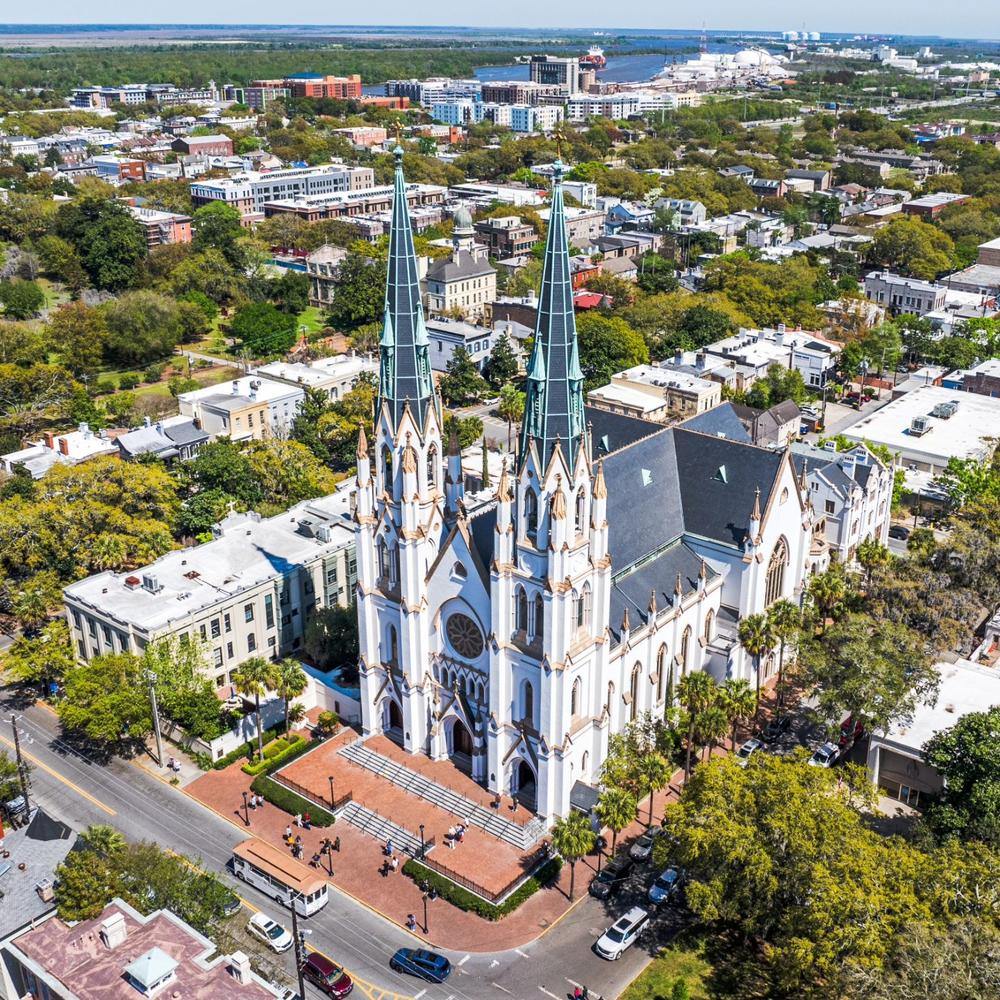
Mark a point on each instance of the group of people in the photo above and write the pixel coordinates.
(294, 842)
(255, 801)
(455, 835)
(391, 862)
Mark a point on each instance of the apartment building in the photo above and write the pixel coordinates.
(557, 71)
(321, 267)
(68, 448)
(517, 91)
(122, 953)
(350, 204)
(251, 591)
(259, 94)
(116, 170)
(580, 107)
(251, 190)
(332, 376)
(535, 118)
(247, 409)
(904, 295)
(757, 350)
(851, 492)
(161, 228)
(203, 145)
(341, 88)
(507, 236)
(654, 393)
(446, 335)
(581, 223)
(434, 90)
(930, 206)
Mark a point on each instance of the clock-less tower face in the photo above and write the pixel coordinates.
(465, 636)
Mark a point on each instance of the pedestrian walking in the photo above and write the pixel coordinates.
(298, 819)
(288, 833)
(411, 922)
(388, 847)
(307, 821)
(336, 844)
(395, 862)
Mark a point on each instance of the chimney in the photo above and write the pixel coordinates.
(779, 336)
(699, 360)
(45, 890)
(113, 931)
(239, 967)
(64, 446)
(84, 429)
(50, 440)
(146, 422)
(254, 386)
(236, 387)
(678, 356)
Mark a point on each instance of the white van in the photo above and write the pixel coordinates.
(622, 934)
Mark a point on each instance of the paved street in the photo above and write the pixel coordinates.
(81, 791)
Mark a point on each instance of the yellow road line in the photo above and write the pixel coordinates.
(55, 774)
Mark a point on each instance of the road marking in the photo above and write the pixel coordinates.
(548, 994)
(523, 954)
(55, 774)
(503, 989)
(574, 983)
(464, 960)
(420, 994)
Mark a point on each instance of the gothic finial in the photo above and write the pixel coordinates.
(679, 586)
(652, 603)
(755, 513)
(600, 487)
(486, 465)
(558, 501)
(409, 456)
(703, 571)
(453, 448)
(362, 443)
(626, 624)
(803, 481)
(504, 494)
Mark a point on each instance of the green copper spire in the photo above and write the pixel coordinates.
(405, 370)
(553, 408)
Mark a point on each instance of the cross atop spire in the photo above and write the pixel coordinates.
(405, 370)
(554, 404)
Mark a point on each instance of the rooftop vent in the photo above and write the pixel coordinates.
(133, 582)
(192, 574)
(113, 930)
(151, 582)
(920, 426)
(945, 410)
(721, 474)
(305, 527)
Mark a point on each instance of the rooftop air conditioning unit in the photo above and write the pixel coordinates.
(945, 410)
(151, 582)
(305, 527)
(920, 426)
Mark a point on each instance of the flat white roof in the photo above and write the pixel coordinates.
(267, 391)
(965, 687)
(248, 551)
(661, 378)
(324, 371)
(960, 436)
(625, 395)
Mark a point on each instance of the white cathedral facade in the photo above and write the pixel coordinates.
(515, 630)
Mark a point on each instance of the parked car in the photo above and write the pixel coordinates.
(622, 934)
(825, 756)
(776, 728)
(746, 751)
(900, 531)
(427, 965)
(850, 732)
(288, 994)
(612, 877)
(642, 849)
(666, 886)
(276, 937)
(231, 905)
(327, 976)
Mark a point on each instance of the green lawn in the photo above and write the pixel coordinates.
(311, 321)
(673, 963)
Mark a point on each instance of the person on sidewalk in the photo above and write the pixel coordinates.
(388, 847)
(288, 834)
(394, 862)
(307, 820)
(336, 844)
(411, 923)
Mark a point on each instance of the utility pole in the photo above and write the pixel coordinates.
(151, 678)
(21, 772)
(298, 945)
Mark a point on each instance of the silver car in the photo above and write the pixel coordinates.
(825, 756)
(642, 849)
(746, 751)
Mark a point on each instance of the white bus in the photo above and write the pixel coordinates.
(279, 876)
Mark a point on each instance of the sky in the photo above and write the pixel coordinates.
(956, 18)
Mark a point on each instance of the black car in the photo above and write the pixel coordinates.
(899, 531)
(612, 877)
(776, 728)
(427, 965)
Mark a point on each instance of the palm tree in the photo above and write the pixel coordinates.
(697, 692)
(872, 554)
(510, 408)
(739, 702)
(786, 623)
(616, 808)
(255, 677)
(653, 771)
(827, 590)
(290, 681)
(31, 607)
(757, 639)
(572, 838)
(108, 552)
(103, 839)
(712, 726)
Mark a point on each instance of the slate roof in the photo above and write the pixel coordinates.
(610, 432)
(459, 266)
(482, 523)
(720, 421)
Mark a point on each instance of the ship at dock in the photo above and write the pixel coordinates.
(594, 59)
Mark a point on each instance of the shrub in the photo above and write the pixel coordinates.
(275, 747)
(466, 900)
(153, 373)
(129, 380)
(289, 802)
(291, 748)
(327, 723)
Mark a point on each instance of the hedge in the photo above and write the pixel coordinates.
(466, 900)
(289, 802)
(247, 750)
(287, 750)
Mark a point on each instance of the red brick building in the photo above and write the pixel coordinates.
(342, 88)
(203, 145)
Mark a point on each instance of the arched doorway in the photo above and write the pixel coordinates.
(525, 788)
(392, 721)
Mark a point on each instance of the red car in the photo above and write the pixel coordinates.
(326, 976)
(850, 732)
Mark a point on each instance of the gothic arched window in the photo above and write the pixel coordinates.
(574, 698)
(432, 467)
(383, 559)
(709, 625)
(530, 514)
(776, 573)
(685, 646)
(521, 610)
(539, 616)
(394, 563)
(393, 645)
(661, 670)
(634, 690)
(528, 704)
(387, 470)
(581, 510)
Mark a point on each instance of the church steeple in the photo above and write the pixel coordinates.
(553, 409)
(405, 370)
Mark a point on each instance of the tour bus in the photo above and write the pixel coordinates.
(279, 876)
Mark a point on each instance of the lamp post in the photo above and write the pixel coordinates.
(151, 679)
(421, 841)
(330, 777)
(328, 851)
(426, 928)
(246, 810)
(298, 943)
(22, 773)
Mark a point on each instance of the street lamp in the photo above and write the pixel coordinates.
(293, 898)
(331, 790)
(421, 841)
(151, 680)
(246, 810)
(22, 772)
(426, 928)
(328, 851)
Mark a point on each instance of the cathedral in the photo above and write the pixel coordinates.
(514, 630)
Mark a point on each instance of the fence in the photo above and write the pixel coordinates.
(311, 796)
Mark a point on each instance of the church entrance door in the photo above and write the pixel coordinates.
(525, 791)
(393, 722)
(461, 746)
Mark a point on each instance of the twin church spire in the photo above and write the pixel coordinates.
(405, 367)
(554, 398)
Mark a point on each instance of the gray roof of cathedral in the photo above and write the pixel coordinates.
(481, 526)
(720, 421)
(610, 432)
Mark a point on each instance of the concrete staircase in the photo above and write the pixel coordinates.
(382, 829)
(469, 812)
